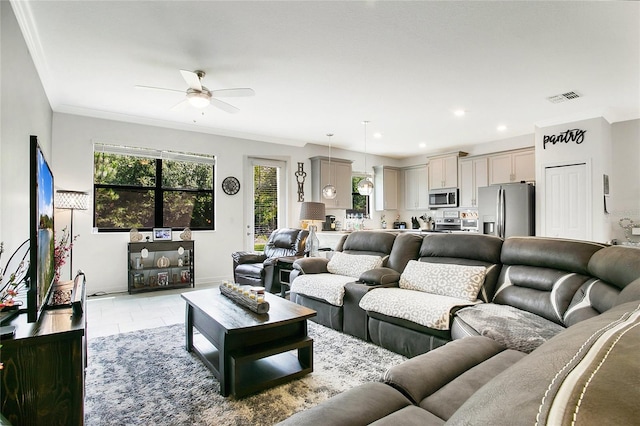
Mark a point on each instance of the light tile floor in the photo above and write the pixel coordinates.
(123, 312)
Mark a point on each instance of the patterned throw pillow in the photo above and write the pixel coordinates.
(461, 281)
(352, 265)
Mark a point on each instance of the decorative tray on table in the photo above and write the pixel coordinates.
(250, 297)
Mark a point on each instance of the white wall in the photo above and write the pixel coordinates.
(25, 111)
(596, 151)
(625, 176)
(103, 255)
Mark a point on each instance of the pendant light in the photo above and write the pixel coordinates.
(365, 186)
(329, 191)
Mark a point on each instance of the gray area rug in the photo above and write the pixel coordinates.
(148, 378)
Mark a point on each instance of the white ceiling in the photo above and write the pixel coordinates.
(320, 67)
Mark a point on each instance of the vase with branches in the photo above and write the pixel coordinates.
(62, 249)
(12, 281)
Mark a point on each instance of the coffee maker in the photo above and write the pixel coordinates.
(329, 224)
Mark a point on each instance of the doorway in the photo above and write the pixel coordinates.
(567, 212)
(266, 201)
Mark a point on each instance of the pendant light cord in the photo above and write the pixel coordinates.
(329, 135)
(365, 149)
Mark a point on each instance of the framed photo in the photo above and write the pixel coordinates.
(163, 278)
(185, 276)
(162, 234)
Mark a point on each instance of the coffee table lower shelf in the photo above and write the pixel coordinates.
(253, 369)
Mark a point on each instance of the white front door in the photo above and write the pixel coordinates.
(566, 210)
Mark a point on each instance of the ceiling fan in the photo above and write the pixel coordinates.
(199, 96)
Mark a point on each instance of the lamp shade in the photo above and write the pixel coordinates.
(73, 200)
(312, 211)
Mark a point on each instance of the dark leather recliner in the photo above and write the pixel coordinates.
(258, 269)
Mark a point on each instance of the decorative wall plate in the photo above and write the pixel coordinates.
(231, 185)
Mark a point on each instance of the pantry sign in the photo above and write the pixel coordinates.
(569, 136)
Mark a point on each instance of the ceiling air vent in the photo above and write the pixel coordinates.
(563, 97)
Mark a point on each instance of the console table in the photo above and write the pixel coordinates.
(168, 264)
(44, 362)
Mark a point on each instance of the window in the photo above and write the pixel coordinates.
(266, 203)
(144, 189)
(360, 203)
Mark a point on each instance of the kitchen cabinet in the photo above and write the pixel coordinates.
(443, 171)
(512, 166)
(416, 188)
(338, 173)
(385, 186)
(474, 174)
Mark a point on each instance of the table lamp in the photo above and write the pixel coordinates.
(312, 211)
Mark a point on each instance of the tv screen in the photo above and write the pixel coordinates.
(42, 240)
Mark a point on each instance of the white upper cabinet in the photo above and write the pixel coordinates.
(386, 188)
(416, 188)
(338, 173)
(514, 166)
(443, 172)
(473, 175)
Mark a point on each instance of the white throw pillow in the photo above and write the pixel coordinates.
(352, 265)
(461, 281)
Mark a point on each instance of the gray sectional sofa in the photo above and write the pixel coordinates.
(586, 375)
(534, 287)
(554, 341)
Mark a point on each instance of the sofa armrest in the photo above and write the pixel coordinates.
(240, 257)
(424, 375)
(311, 265)
(355, 320)
(380, 276)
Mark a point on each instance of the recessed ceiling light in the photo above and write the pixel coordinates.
(459, 112)
(422, 144)
(501, 128)
(377, 135)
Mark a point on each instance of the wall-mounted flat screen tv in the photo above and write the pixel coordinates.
(42, 240)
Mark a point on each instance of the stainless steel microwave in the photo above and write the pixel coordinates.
(445, 197)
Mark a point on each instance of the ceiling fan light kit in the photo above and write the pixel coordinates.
(199, 99)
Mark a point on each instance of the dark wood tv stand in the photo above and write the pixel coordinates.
(44, 363)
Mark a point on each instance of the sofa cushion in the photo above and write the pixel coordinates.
(328, 287)
(462, 367)
(459, 281)
(358, 406)
(429, 310)
(352, 265)
(588, 374)
(512, 327)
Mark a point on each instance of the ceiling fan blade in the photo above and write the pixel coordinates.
(159, 88)
(192, 79)
(180, 106)
(224, 106)
(222, 93)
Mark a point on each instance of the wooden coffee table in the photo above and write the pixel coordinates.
(248, 352)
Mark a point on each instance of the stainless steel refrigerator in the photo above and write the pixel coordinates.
(507, 210)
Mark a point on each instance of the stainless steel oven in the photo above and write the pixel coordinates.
(448, 224)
